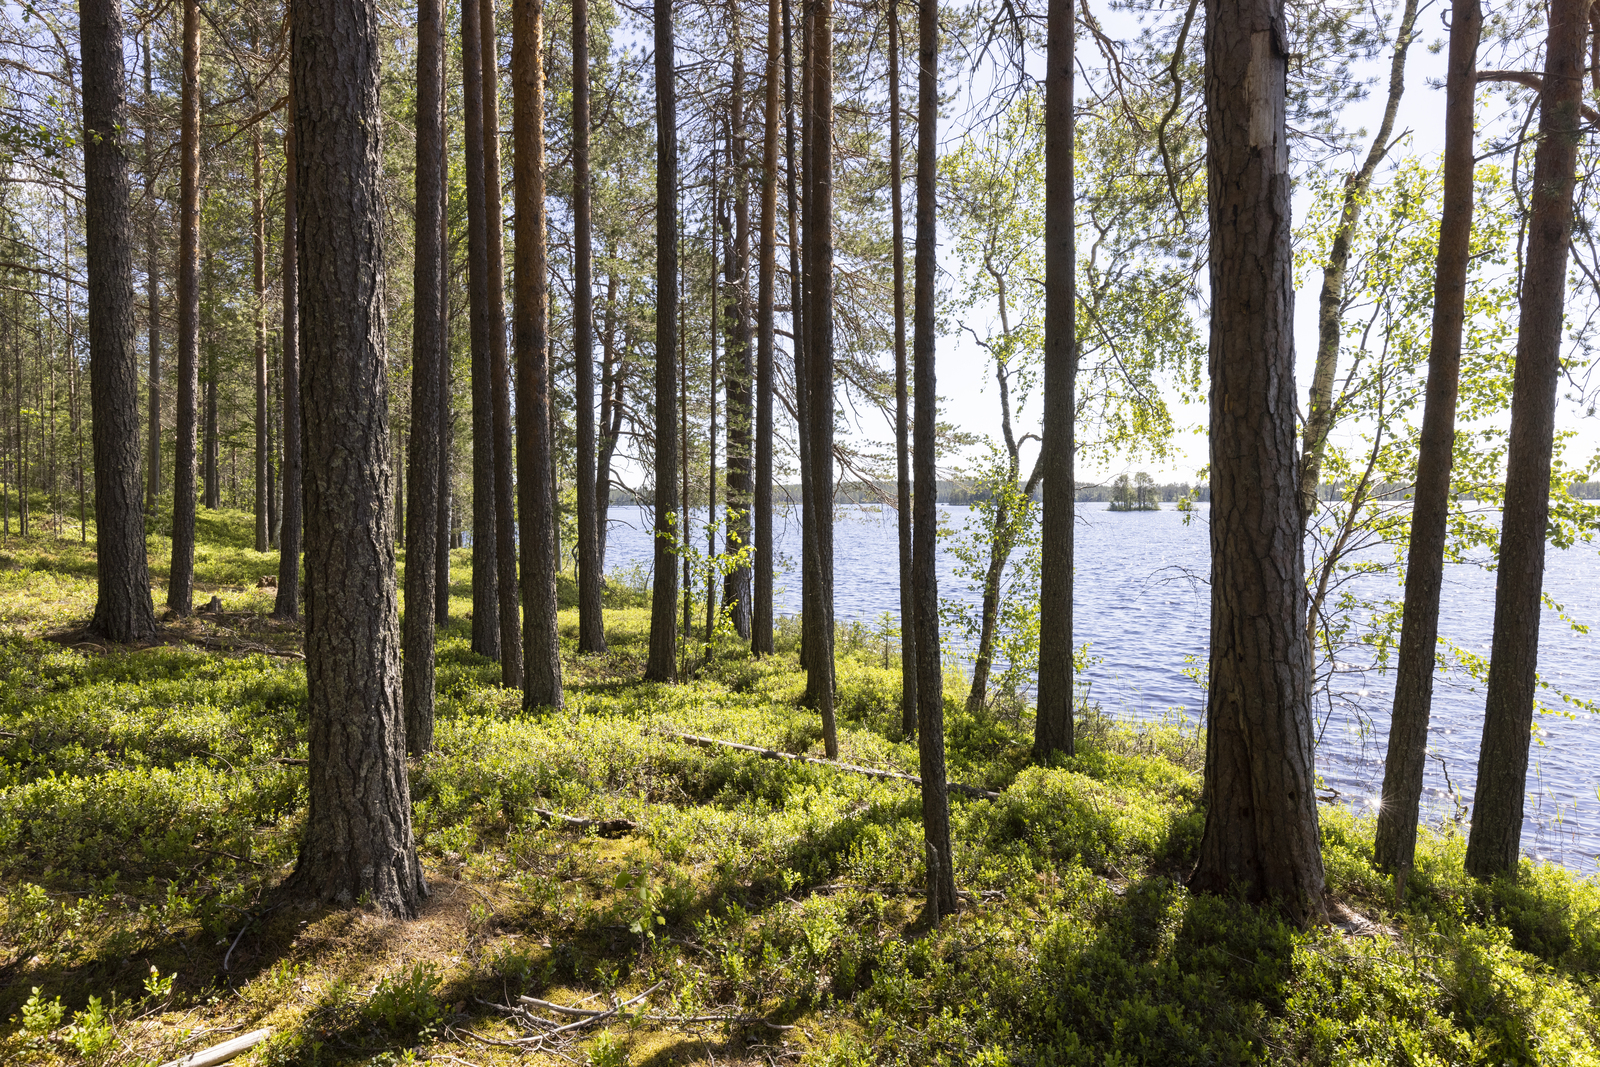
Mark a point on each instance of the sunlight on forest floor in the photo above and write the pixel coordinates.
(150, 803)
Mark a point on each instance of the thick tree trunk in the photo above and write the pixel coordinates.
(591, 621)
(819, 365)
(287, 605)
(1330, 304)
(1261, 813)
(1053, 724)
(902, 412)
(739, 373)
(180, 584)
(427, 379)
(924, 574)
(485, 565)
(1396, 842)
(123, 610)
(152, 283)
(662, 665)
(535, 472)
(505, 549)
(357, 841)
(1495, 841)
(761, 608)
(259, 312)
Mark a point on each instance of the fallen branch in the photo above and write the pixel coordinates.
(604, 827)
(853, 768)
(590, 1015)
(222, 1053)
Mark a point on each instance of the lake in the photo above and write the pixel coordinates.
(1142, 603)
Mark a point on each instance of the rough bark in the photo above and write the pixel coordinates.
(505, 549)
(1053, 724)
(662, 665)
(819, 366)
(800, 167)
(541, 687)
(152, 282)
(1495, 840)
(1396, 841)
(591, 621)
(902, 411)
(427, 378)
(180, 584)
(485, 566)
(1330, 303)
(357, 842)
(1261, 832)
(259, 313)
(941, 890)
(287, 604)
(123, 611)
(739, 373)
(761, 607)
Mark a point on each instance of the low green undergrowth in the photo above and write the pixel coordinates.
(151, 801)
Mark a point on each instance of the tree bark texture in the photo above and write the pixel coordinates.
(1495, 840)
(358, 840)
(180, 584)
(505, 549)
(591, 620)
(427, 380)
(761, 607)
(613, 382)
(802, 327)
(541, 685)
(1396, 840)
(662, 664)
(259, 312)
(442, 539)
(1261, 816)
(123, 611)
(1053, 725)
(152, 282)
(287, 604)
(902, 400)
(1330, 303)
(924, 574)
(485, 566)
(740, 373)
(819, 365)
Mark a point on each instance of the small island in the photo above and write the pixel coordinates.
(1137, 495)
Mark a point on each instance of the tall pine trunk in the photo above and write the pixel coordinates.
(819, 365)
(541, 687)
(739, 373)
(259, 313)
(123, 610)
(357, 844)
(613, 378)
(799, 246)
(1395, 845)
(941, 890)
(591, 621)
(505, 548)
(180, 584)
(662, 665)
(485, 566)
(287, 604)
(761, 608)
(1495, 841)
(902, 412)
(152, 282)
(427, 381)
(1261, 833)
(1053, 723)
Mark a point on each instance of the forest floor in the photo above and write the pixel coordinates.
(151, 800)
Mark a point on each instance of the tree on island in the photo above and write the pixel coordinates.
(1137, 495)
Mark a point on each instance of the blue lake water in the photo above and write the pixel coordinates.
(1142, 602)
